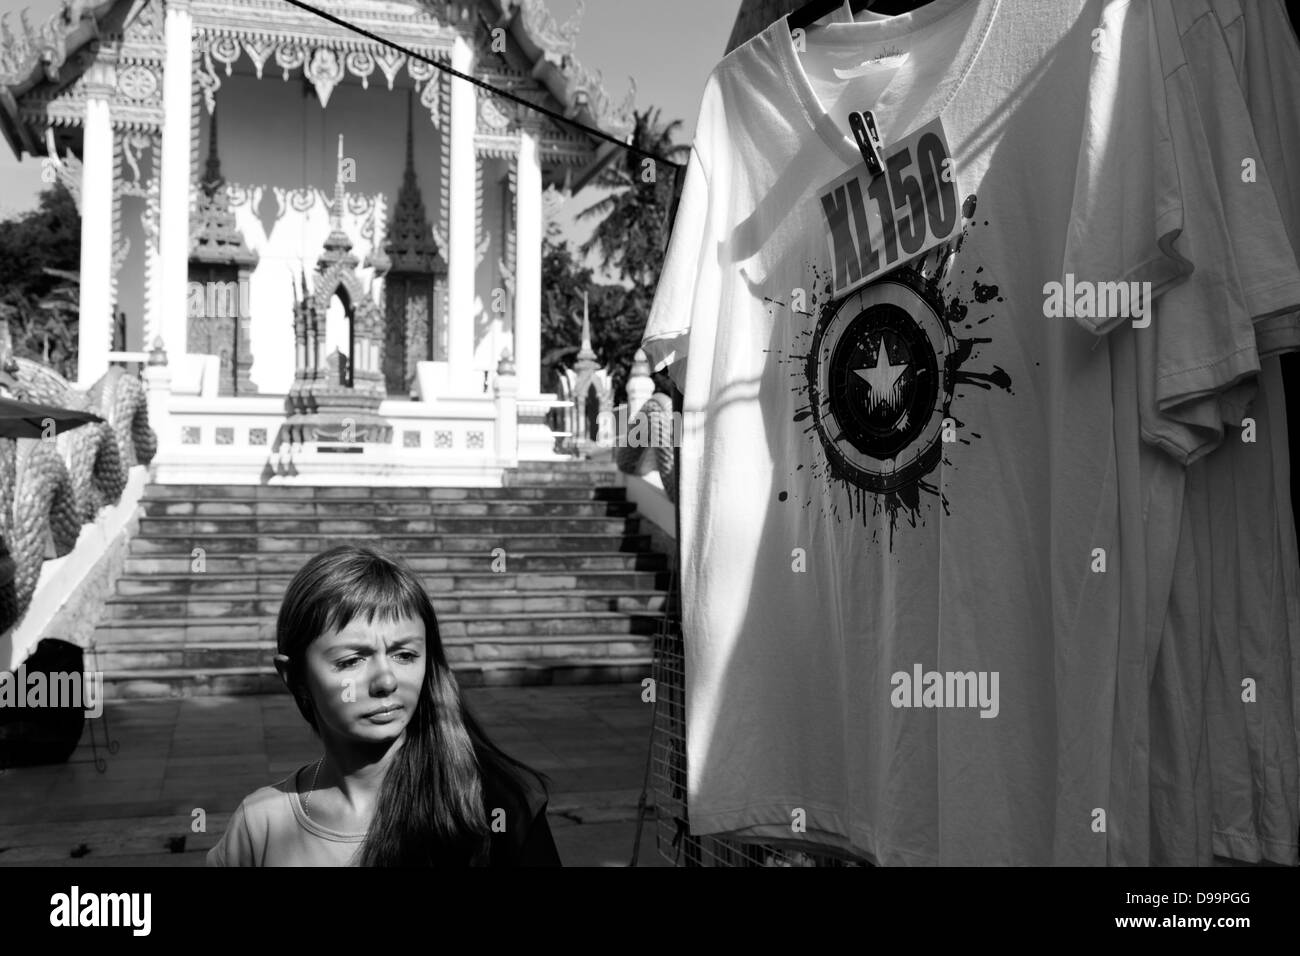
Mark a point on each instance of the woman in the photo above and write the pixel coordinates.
(407, 778)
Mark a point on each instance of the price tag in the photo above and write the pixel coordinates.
(876, 223)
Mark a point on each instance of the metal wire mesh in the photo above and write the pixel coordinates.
(666, 770)
(673, 839)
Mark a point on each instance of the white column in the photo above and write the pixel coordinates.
(174, 192)
(507, 426)
(461, 224)
(528, 267)
(94, 309)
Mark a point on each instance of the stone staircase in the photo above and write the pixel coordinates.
(579, 600)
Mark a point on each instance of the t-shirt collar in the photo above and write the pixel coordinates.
(875, 30)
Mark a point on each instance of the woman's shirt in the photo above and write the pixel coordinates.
(270, 828)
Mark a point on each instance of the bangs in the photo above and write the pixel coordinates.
(369, 587)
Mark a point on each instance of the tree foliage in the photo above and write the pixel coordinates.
(40, 253)
(628, 241)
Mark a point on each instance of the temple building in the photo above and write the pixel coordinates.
(327, 252)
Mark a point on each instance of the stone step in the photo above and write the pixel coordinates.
(184, 630)
(490, 508)
(467, 582)
(221, 562)
(550, 492)
(573, 467)
(593, 461)
(368, 526)
(150, 684)
(575, 479)
(129, 656)
(400, 543)
(141, 608)
(579, 600)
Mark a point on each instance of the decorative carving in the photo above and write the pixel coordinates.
(225, 50)
(214, 237)
(430, 99)
(416, 265)
(361, 64)
(336, 398)
(50, 490)
(67, 170)
(238, 195)
(390, 61)
(261, 28)
(259, 51)
(149, 224)
(590, 392)
(302, 198)
(132, 144)
(22, 52)
(368, 234)
(147, 23)
(324, 71)
(410, 244)
(137, 83)
(119, 255)
(420, 71)
(510, 226)
(205, 77)
(492, 115)
(586, 88)
(220, 258)
(289, 56)
(554, 39)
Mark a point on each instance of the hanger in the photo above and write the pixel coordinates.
(863, 124)
(814, 10)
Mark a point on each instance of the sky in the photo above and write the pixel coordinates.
(668, 46)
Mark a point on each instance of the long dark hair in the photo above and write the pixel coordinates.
(431, 809)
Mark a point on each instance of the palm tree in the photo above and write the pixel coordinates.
(634, 215)
(630, 240)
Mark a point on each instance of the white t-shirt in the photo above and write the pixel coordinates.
(270, 828)
(817, 577)
(1226, 770)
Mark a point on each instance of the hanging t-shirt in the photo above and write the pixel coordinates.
(899, 504)
(1235, 274)
(1224, 704)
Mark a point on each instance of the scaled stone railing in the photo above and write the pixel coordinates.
(646, 431)
(50, 487)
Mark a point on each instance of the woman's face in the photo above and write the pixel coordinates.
(365, 679)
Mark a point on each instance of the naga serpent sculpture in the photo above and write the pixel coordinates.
(42, 497)
(654, 420)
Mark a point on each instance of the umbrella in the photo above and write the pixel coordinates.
(28, 419)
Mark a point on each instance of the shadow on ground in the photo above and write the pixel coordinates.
(180, 763)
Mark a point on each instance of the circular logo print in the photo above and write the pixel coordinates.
(877, 372)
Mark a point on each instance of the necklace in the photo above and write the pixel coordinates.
(306, 800)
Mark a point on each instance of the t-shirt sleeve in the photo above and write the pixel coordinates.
(1148, 210)
(1265, 260)
(235, 848)
(1127, 210)
(688, 277)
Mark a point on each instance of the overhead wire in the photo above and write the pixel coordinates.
(507, 94)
